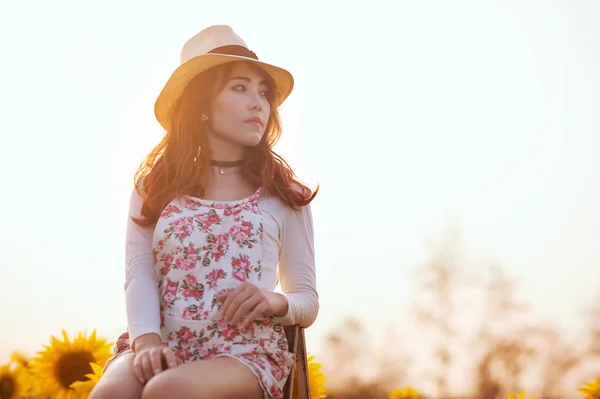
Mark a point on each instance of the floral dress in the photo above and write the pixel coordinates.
(202, 249)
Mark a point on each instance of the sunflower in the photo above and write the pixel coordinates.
(520, 396)
(62, 363)
(316, 380)
(406, 393)
(13, 382)
(591, 390)
(87, 386)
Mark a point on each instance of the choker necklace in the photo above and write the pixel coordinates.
(226, 164)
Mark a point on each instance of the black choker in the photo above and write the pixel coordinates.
(226, 164)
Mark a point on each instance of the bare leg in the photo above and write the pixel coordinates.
(118, 381)
(220, 378)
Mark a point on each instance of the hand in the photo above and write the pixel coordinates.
(152, 358)
(246, 303)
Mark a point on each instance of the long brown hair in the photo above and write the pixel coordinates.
(180, 164)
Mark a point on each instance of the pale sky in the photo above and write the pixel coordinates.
(406, 114)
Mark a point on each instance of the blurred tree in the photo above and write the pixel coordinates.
(353, 353)
(502, 357)
(558, 360)
(512, 342)
(594, 329)
(507, 345)
(439, 278)
(346, 346)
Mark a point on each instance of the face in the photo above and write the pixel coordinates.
(240, 111)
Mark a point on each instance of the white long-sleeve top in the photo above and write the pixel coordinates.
(287, 256)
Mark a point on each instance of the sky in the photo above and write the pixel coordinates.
(407, 114)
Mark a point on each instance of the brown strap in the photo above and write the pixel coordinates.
(291, 333)
(298, 378)
(234, 50)
(302, 365)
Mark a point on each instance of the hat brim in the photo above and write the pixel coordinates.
(284, 81)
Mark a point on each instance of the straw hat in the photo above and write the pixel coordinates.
(213, 46)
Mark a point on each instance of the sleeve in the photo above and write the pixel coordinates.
(297, 268)
(141, 283)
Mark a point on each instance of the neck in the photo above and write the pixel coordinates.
(222, 150)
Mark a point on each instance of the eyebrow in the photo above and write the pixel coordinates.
(246, 79)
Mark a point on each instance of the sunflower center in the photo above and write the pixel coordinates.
(7, 387)
(73, 367)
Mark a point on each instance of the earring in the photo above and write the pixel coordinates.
(204, 118)
(197, 154)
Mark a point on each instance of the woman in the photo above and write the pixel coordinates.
(215, 218)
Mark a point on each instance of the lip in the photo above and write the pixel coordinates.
(255, 120)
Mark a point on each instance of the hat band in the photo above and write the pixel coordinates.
(234, 50)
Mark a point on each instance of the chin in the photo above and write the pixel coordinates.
(251, 140)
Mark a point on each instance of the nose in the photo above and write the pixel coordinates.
(256, 102)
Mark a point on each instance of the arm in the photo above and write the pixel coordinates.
(300, 301)
(141, 284)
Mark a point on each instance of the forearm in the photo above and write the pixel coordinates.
(143, 309)
(141, 282)
(297, 270)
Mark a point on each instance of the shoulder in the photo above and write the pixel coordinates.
(136, 199)
(285, 216)
(274, 206)
(137, 190)
(273, 203)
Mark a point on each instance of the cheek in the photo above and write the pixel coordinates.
(225, 116)
(267, 108)
(224, 108)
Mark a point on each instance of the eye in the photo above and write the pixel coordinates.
(264, 93)
(240, 88)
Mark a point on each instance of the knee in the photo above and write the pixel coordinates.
(163, 385)
(109, 389)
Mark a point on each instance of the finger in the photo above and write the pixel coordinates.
(256, 313)
(137, 370)
(222, 297)
(230, 296)
(236, 302)
(156, 360)
(146, 365)
(244, 309)
(170, 357)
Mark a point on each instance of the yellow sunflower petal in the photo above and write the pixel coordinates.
(87, 386)
(19, 358)
(316, 380)
(83, 387)
(521, 395)
(591, 389)
(406, 393)
(97, 369)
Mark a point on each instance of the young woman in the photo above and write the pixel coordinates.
(216, 219)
